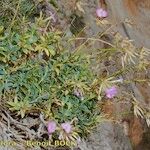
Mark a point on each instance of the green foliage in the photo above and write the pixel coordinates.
(15, 8)
(37, 73)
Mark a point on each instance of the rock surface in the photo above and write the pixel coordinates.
(107, 136)
(132, 19)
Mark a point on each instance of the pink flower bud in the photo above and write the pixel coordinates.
(101, 13)
(51, 127)
(66, 127)
(111, 92)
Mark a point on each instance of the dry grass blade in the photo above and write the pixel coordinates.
(145, 52)
(138, 110)
(144, 59)
(127, 49)
(147, 117)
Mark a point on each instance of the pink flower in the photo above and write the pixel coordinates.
(66, 127)
(111, 92)
(51, 127)
(101, 13)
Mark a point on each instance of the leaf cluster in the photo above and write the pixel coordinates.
(37, 74)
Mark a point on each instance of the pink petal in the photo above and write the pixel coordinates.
(104, 14)
(109, 96)
(101, 13)
(67, 127)
(51, 127)
(111, 92)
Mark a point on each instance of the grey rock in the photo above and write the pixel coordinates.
(139, 31)
(107, 136)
